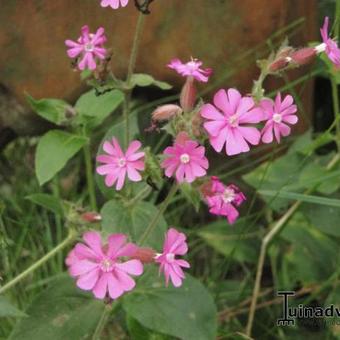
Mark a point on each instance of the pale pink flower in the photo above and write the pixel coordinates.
(88, 48)
(174, 244)
(228, 121)
(118, 164)
(191, 69)
(329, 45)
(97, 266)
(114, 3)
(223, 200)
(278, 115)
(186, 158)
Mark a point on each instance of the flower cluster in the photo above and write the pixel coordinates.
(104, 269)
(232, 122)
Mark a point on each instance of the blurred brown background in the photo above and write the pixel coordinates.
(228, 35)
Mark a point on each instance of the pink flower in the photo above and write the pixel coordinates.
(329, 45)
(191, 69)
(223, 200)
(97, 267)
(174, 244)
(227, 119)
(88, 47)
(114, 3)
(278, 115)
(117, 164)
(186, 158)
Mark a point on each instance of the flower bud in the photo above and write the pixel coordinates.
(166, 112)
(279, 64)
(188, 95)
(182, 137)
(91, 217)
(303, 56)
(206, 189)
(145, 255)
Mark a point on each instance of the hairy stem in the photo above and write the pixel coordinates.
(160, 212)
(264, 247)
(89, 177)
(71, 237)
(103, 320)
(131, 68)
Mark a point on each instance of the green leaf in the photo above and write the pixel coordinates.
(47, 201)
(93, 109)
(60, 312)
(138, 332)
(55, 148)
(324, 218)
(53, 110)
(232, 241)
(275, 176)
(312, 256)
(332, 202)
(187, 312)
(140, 79)
(8, 310)
(118, 217)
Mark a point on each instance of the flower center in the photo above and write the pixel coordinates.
(121, 162)
(192, 65)
(185, 158)
(89, 47)
(106, 265)
(277, 118)
(228, 195)
(233, 120)
(170, 257)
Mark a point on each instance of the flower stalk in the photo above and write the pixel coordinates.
(160, 212)
(89, 177)
(131, 67)
(71, 237)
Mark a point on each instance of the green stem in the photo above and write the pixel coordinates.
(37, 264)
(89, 177)
(103, 320)
(56, 194)
(160, 212)
(131, 68)
(335, 98)
(135, 45)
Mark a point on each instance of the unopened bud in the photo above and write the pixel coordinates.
(182, 137)
(145, 255)
(91, 217)
(206, 188)
(279, 64)
(188, 95)
(166, 112)
(303, 56)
